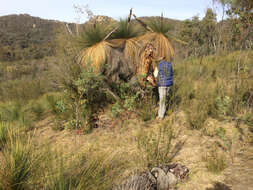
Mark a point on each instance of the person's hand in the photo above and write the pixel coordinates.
(151, 79)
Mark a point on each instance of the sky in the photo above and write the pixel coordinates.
(63, 10)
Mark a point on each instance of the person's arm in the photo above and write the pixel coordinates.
(171, 70)
(156, 72)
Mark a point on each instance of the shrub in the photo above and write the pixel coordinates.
(52, 103)
(224, 105)
(115, 109)
(155, 147)
(228, 143)
(37, 109)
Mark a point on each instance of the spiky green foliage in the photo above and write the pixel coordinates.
(125, 30)
(92, 35)
(158, 25)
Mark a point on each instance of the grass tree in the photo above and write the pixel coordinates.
(93, 44)
(127, 33)
(158, 33)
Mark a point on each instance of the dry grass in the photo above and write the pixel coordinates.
(161, 43)
(96, 54)
(123, 140)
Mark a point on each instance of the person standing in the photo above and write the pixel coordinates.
(164, 74)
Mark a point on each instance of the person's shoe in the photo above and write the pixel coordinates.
(159, 118)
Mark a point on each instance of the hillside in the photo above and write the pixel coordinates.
(24, 37)
(71, 117)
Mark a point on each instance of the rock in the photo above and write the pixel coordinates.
(144, 181)
(163, 181)
(160, 178)
(180, 171)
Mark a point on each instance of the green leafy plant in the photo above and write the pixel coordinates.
(115, 110)
(227, 143)
(224, 105)
(52, 103)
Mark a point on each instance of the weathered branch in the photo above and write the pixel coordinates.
(143, 24)
(130, 15)
(108, 35)
(68, 29)
(112, 94)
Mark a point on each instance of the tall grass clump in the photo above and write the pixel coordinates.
(59, 177)
(37, 109)
(215, 161)
(3, 134)
(19, 165)
(88, 172)
(16, 113)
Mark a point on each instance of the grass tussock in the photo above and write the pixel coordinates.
(215, 162)
(19, 165)
(3, 134)
(88, 172)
